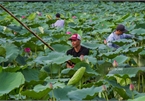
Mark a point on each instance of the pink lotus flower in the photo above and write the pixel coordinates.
(131, 87)
(105, 41)
(68, 32)
(90, 20)
(82, 57)
(74, 17)
(27, 50)
(15, 32)
(115, 64)
(23, 17)
(39, 14)
(104, 88)
(51, 86)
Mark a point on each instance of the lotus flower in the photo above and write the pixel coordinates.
(105, 41)
(82, 57)
(68, 32)
(39, 14)
(74, 17)
(115, 64)
(51, 86)
(23, 17)
(104, 87)
(131, 87)
(15, 32)
(27, 50)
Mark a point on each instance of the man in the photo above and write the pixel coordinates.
(59, 22)
(77, 50)
(119, 33)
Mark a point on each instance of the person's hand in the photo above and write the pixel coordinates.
(71, 66)
(82, 57)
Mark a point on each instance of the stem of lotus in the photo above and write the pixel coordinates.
(125, 82)
(53, 95)
(132, 95)
(139, 62)
(51, 71)
(138, 81)
(15, 63)
(106, 96)
(5, 96)
(103, 95)
(59, 74)
(36, 51)
(80, 84)
(142, 83)
(2, 64)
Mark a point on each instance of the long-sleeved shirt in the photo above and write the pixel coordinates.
(113, 37)
(58, 23)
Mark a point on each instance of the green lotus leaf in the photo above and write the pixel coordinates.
(71, 24)
(2, 59)
(12, 68)
(15, 28)
(135, 50)
(122, 42)
(68, 71)
(10, 81)
(54, 57)
(2, 52)
(21, 39)
(110, 55)
(90, 45)
(91, 59)
(31, 16)
(138, 99)
(38, 92)
(31, 74)
(34, 25)
(49, 22)
(85, 93)
(12, 51)
(131, 72)
(121, 59)
(61, 93)
(139, 31)
(60, 47)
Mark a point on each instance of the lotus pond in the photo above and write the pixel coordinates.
(31, 71)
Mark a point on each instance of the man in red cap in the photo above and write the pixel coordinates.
(77, 49)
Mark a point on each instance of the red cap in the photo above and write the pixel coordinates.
(75, 37)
